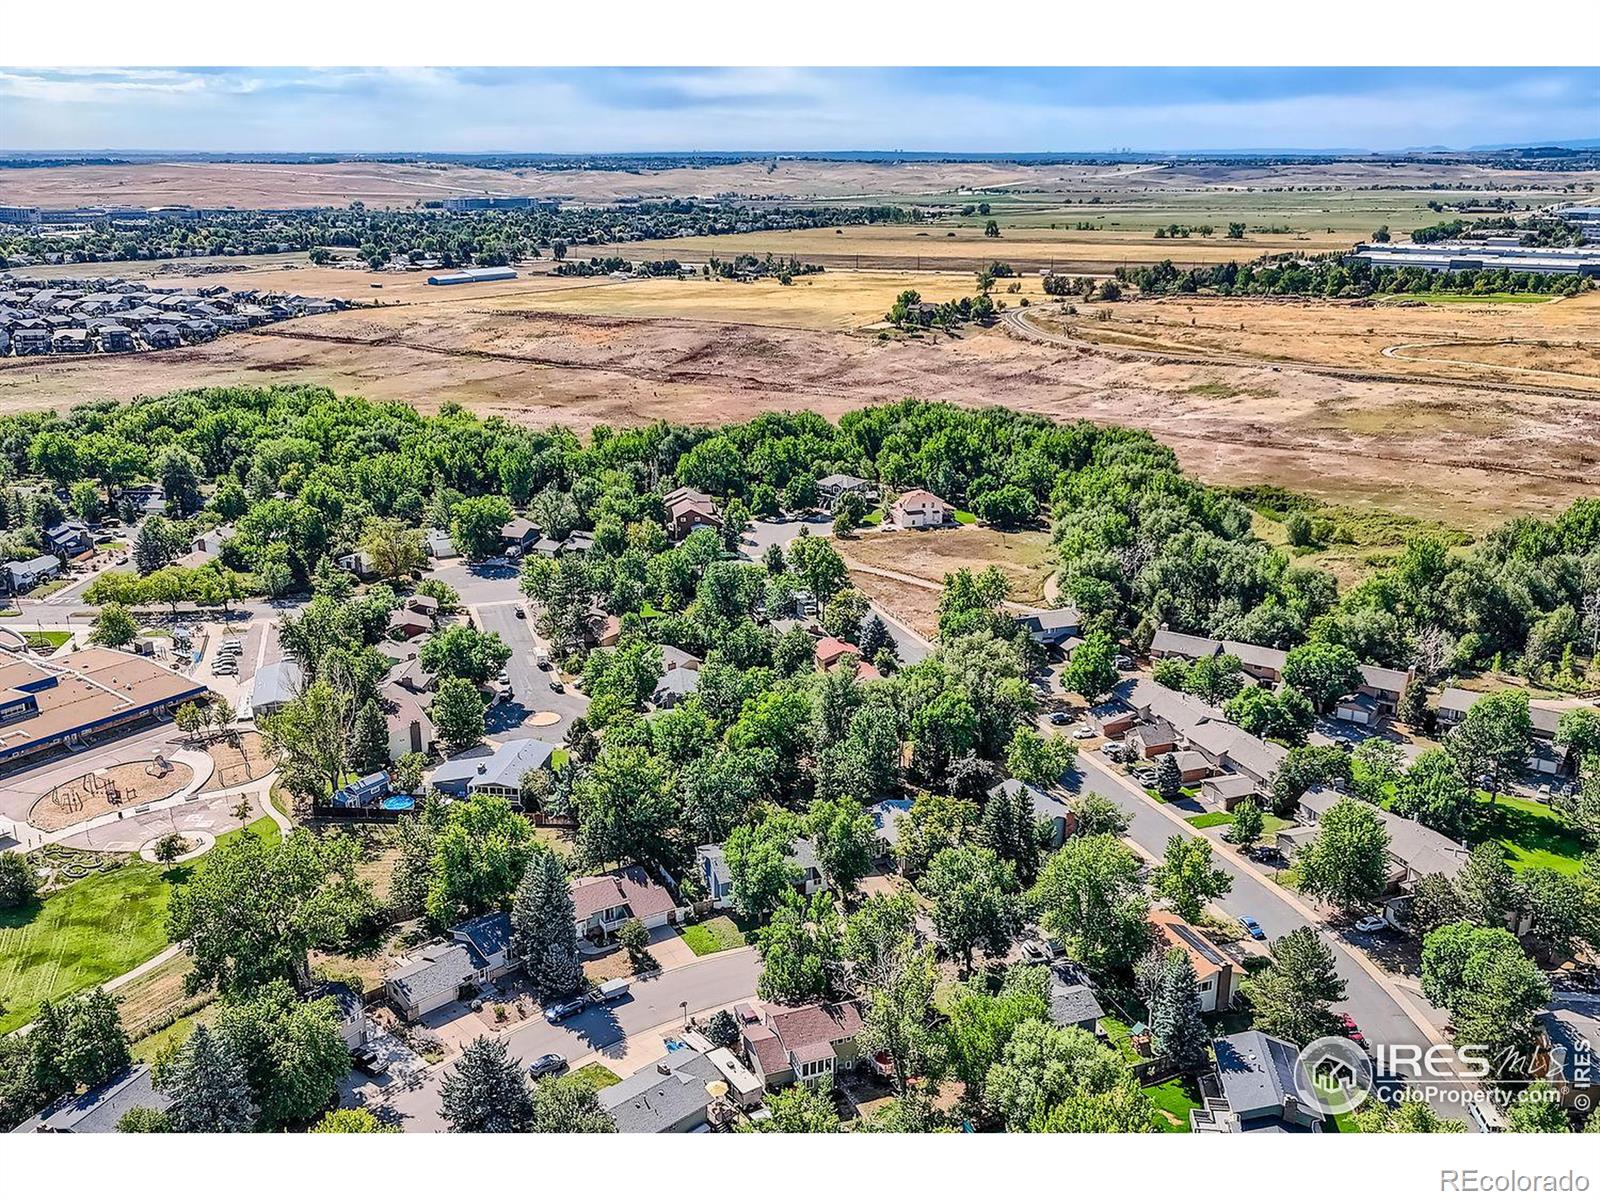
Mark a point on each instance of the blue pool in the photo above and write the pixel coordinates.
(399, 803)
(674, 1045)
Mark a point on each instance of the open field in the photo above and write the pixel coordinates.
(88, 932)
(1023, 556)
(1368, 431)
(399, 185)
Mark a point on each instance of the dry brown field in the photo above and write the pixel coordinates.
(265, 185)
(1023, 556)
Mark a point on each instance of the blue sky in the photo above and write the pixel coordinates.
(575, 110)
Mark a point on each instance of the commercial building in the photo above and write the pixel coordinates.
(488, 203)
(1480, 256)
(63, 701)
(474, 275)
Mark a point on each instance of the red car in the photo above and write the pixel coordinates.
(1352, 1030)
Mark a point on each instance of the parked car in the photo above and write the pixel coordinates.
(1035, 952)
(1253, 928)
(1083, 731)
(562, 1009)
(610, 992)
(367, 1060)
(557, 686)
(544, 664)
(521, 612)
(1124, 663)
(1351, 1030)
(1371, 924)
(546, 1064)
(1059, 718)
(503, 677)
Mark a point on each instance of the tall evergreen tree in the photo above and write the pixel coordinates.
(543, 926)
(208, 1087)
(486, 1092)
(1007, 828)
(371, 737)
(1175, 1026)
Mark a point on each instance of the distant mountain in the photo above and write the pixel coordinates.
(1556, 144)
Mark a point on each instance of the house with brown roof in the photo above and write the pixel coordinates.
(1214, 975)
(601, 903)
(805, 1043)
(689, 513)
(920, 509)
(831, 649)
(1385, 685)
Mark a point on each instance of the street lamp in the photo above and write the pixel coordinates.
(684, 1005)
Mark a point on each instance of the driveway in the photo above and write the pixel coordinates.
(1383, 1017)
(612, 1031)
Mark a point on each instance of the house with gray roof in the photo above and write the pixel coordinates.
(430, 978)
(274, 686)
(1053, 627)
(670, 1096)
(676, 685)
(1569, 1049)
(1414, 849)
(24, 575)
(1264, 1089)
(712, 865)
(1073, 1003)
(99, 1109)
(489, 938)
(492, 770)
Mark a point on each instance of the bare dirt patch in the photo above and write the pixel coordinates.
(1023, 556)
(240, 758)
(100, 792)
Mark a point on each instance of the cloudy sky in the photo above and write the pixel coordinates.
(573, 110)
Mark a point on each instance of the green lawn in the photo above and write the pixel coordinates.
(1270, 822)
(598, 1074)
(89, 932)
(713, 934)
(559, 756)
(1121, 1037)
(1176, 1098)
(1532, 834)
(150, 1047)
(48, 639)
(1464, 298)
(962, 517)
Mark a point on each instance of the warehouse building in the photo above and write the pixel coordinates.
(47, 704)
(1481, 256)
(474, 275)
(488, 203)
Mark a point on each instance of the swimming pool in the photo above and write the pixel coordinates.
(674, 1045)
(399, 803)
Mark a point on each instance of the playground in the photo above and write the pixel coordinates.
(113, 789)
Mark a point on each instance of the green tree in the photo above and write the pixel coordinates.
(310, 736)
(293, 1053)
(370, 743)
(1322, 672)
(1176, 1030)
(1049, 1077)
(206, 1082)
(393, 548)
(19, 886)
(1537, 1110)
(114, 626)
(1432, 790)
(458, 713)
(975, 902)
(1214, 678)
(1169, 779)
(1412, 1116)
(628, 811)
(898, 1017)
(352, 1120)
(980, 1023)
(1188, 878)
(796, 947)
(144, 1120)
(1346, 864)
(1092, 670)
(1248, 824)
(1039, 760)
(1493, 991)
(803, 1108)
(475, 525)
(479, 858)
(544, 926)
(569, 1104)
(1494, 739)
(251, 911)
(464, 653)
(1291, 997)
(846, 841)
(1090, 895)
(485, 1091)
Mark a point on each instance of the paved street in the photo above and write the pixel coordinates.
(712, 982)
(1382, 1018)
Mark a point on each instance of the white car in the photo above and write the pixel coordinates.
(1371, 924)
(1083, 731)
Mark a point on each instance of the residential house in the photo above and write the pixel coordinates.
(670, 1096)
(1192, 765)
(1263, 1088)
(425, 606)
(1214, 976)
(24, 575)
(579, 541)
(601, 903)
(1360, 709)
(1414, 849)
(411, 729)
(1073, 1002)
(1568, 1055)
(162, 337)
(1152, 738)
(1385, 685)
(489, 938)
(99, 1109)
(113, 339)
(1046, 808)
(68, 539)
(491, 770)
(144, 497)
(831, 487)
(684, 493)
(430, 978)
(518, 536)
(1452, 706)
(712, 865)
(672, 658)
(805, 1043)
(887, 814)
(364, 792)
(1052, 627)
(675, 685)
(407, 624)
(1167, 644)
(358, 563)
(1264, 664)
(352, 1016)
(439, 545)
(688, 513)
(1227, 791)
(920, 509)
(831, 649)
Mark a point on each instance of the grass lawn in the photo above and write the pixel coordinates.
(48, 639)
(1175, 1099)
(1270, 822)
(1121, 1037)
(1462, 298)
(1532, 834)
(152, 1046)
(650, 610)
(714, 934)
(962, 517)
(88, 932)
(559, 756)
(600, 1075)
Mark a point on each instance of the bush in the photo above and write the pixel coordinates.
(19, 886)
(633, 937)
